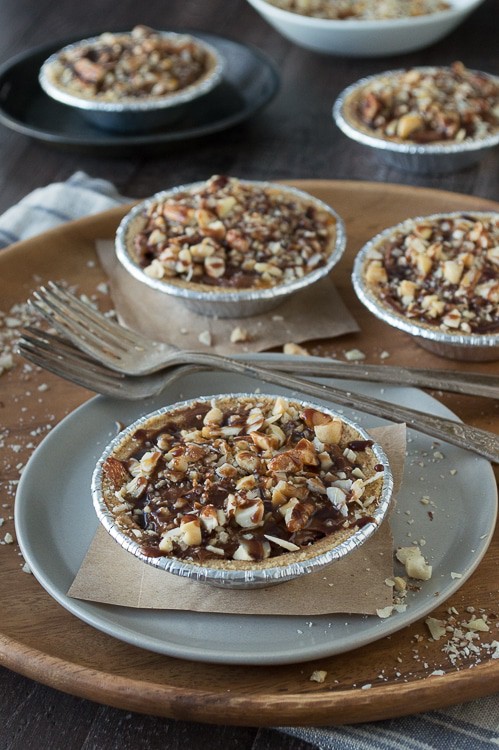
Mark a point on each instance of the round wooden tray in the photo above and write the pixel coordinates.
(41, 640)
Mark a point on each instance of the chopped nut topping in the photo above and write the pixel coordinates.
(228, 234)
(428, 105)
(141, 63)
(241, 478)
(361, 9)
(441, 271)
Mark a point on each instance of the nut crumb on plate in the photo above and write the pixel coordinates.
(385, 612)
(414, 562)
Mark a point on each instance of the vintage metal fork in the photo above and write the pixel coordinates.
(62, 358)
(59, 356)
(126, 351)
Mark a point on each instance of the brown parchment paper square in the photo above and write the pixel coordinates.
(318, 312)
(354, 585)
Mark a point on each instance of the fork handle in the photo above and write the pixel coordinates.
(471, 383)
(465, 436)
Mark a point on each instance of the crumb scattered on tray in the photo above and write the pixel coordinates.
(319, 675)
(295, 349)
(354, 355)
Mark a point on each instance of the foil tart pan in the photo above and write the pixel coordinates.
(222, 303)
(471, 347)
(134, 115)
(431, 158)
(245, 576)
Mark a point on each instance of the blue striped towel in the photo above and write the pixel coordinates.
(470, 726)
(47, 207)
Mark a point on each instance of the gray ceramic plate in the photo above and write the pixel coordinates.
(55, 523)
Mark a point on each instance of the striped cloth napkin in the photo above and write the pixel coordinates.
(47, 207)
(470, 726)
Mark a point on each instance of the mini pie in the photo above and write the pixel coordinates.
(426, 106)
(130, 66)
(242, 482)
(440, 272)
(366, 10)
(230, 235)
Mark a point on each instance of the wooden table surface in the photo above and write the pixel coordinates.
(293, 138)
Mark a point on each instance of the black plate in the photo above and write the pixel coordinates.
(250, 81)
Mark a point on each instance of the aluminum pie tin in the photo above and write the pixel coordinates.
(473, 347)
(130, 114)
(245, 576)
(224, 303)
(430, 158)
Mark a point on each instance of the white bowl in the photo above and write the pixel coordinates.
(133, 114)
(225, 518)
(360, 38)
(228, 301)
